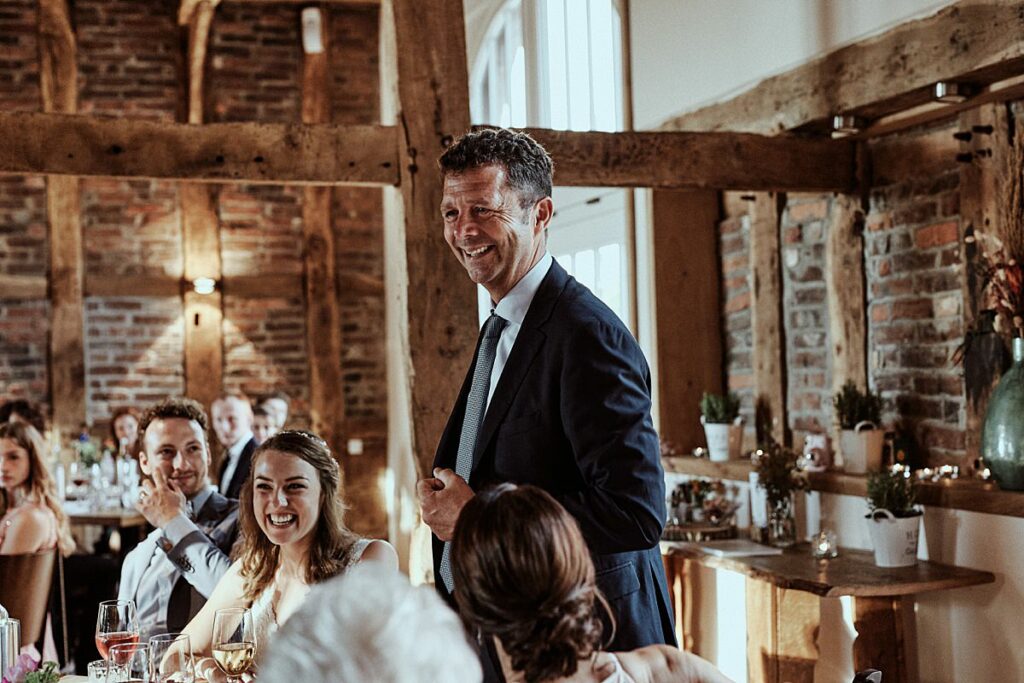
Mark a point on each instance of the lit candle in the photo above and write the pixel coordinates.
(824, 545)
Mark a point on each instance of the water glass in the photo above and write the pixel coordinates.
(129, 663)
(98, 671)
(172, 658)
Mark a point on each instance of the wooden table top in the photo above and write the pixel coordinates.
(852, 573)
(118, 518)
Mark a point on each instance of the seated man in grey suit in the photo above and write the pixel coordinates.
(172, 573)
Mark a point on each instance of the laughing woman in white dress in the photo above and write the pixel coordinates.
(292, 536)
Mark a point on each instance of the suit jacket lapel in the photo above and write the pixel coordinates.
(528, 343)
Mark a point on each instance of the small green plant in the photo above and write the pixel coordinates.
(719, 409)
(776, 472)
(854, 406)
(894, 490)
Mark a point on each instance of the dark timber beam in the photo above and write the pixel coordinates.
(53, 144)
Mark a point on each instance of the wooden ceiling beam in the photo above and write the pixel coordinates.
(56, 144)
(975, 41)
(675, 160)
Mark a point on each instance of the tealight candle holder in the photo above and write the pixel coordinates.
(824, 546)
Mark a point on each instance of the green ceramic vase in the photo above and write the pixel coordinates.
(1002, 439)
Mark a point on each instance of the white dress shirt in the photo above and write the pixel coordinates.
(234, 455)
(513, 308)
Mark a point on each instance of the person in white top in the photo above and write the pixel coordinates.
(232, 422)
(524, 577)
(293, 537)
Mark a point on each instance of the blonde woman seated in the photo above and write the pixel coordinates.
(293, 536)
(523, 576)
(31, 518)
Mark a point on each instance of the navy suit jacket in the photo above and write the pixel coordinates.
(233, 489)
(572, 415)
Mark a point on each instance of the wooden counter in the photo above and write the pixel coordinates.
(783, 595)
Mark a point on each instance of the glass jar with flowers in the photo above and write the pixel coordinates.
(777, 474)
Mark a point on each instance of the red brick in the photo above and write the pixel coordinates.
(737, 303)
(879, 221)
(793, 235)
(808, 211)
(741, 381)
(881, 312)
(912, 309)
(884, 267)
(937, 235)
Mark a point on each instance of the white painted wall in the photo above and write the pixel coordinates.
(687, 53)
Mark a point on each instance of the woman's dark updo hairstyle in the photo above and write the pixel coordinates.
(523, 574)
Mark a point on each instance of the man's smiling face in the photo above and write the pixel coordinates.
(495, 239)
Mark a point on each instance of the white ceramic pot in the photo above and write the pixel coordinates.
(861, 448)
(894, 538)
(724, 439)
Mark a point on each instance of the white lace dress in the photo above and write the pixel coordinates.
(264, 617)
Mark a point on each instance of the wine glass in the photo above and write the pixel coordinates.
(172, 661)
(128, 663)
(116, 624)
(234, 641)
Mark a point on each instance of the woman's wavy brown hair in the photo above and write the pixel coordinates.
(523, 574)
(41, 489)
(332, 540)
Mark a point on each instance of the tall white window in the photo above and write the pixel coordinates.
(559, 64)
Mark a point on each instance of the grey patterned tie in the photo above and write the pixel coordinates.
(476, 404)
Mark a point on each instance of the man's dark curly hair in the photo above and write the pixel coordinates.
(172, 407)
(528, 167)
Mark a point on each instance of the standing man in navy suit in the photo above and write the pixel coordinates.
(559, 392)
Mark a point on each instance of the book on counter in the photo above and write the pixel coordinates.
(737, 547)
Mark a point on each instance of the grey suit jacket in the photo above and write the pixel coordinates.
(197, 562)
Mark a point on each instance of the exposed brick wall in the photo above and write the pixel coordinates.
(734, 247)
(23, 235)
(129, 58)
(255, 64)
(265, 349)
(915, 313)
(359, 251)
(355, 67)
(131, 227)
(133, 352)
(804, 228)
(19, 65)
(260, 229)
(24, 328)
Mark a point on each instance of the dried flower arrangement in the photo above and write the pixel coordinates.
(997, 263)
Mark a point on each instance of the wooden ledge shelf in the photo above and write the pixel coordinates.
(852, 573)
(955, 494)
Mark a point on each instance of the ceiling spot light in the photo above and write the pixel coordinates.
(204, 285)
(846, 124)
(951, 93)
(311, 43)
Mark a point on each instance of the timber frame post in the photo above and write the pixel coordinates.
(58, 79)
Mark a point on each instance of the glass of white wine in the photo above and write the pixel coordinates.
(234, 641)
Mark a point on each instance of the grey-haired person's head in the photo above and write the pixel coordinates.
(371, 624)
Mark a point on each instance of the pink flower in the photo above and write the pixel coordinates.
(25, 664)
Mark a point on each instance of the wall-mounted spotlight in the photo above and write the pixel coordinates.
(846, 124)
(311, 42)
(952, 93)
(204, 285)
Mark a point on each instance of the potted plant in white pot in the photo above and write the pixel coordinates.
(723, 426)
(894, 520)
(861, 437)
